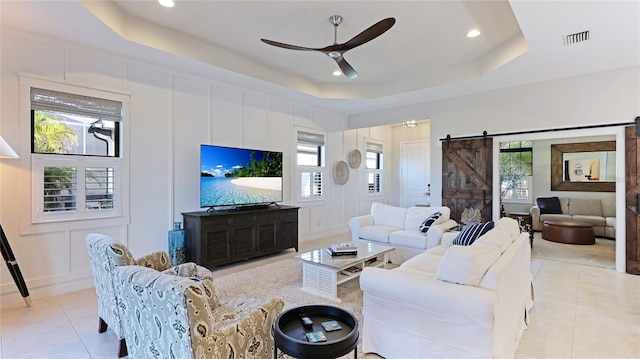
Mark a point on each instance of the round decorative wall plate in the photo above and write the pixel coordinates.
(341, 172)
(355, 158)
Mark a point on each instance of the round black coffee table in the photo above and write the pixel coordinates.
(290, 335)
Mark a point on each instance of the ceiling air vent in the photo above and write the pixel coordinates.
(576, 38)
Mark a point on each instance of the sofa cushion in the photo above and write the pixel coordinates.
(424, 226)
(610, 222)
(424, 262)
(608, 207)
(592, 220)
(505, 231)
(416, 215)
(471, 232)
(376, 233)
(549, 205)
(408, 238)
(385, 215)
(585, 206)
(438, 250)
(554, 217)
(467, 264)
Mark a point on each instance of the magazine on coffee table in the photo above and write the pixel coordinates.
(343, 247)
(334, 253)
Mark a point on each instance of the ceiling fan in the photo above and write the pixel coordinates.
(336, 51)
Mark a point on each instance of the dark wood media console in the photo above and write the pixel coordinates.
(222, 237)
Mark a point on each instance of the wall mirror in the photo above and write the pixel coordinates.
(587, 167)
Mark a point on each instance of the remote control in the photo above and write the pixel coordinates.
(306, 321)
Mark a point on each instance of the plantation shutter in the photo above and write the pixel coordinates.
(311, 146)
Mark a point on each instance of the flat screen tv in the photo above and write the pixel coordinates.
(239, 177)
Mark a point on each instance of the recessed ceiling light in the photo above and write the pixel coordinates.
(337, 73)
(167, 3)
(473, 33)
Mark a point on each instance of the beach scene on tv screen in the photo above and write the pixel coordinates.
(233, 176)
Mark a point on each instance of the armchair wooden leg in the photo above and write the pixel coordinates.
(122, 352)
(102, 326)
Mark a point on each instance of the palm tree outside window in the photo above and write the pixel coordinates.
(75, 148)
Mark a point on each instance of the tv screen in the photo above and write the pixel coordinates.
(238, 176)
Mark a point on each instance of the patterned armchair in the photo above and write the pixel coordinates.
(105, 254)
(177, 317)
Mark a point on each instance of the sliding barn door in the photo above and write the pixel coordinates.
(467, 173)
(632, 163)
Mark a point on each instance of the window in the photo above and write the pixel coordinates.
(75, 146)
(373, 161)
(516, 171)
(310, 165)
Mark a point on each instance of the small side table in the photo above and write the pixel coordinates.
(525, 217)
(289, 334)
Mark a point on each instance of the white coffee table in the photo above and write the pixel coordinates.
(322, 273)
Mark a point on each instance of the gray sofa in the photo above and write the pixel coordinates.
(601, 213)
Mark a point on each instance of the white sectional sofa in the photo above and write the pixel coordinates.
(451, 301)
(400, 227)
(600, 213)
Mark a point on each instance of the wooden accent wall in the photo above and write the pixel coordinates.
(467, 176)
(632, 197)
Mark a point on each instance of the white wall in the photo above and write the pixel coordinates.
(171, 114)
(598, 98)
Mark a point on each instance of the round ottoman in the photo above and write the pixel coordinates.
(570, 232)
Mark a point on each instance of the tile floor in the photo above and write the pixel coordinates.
(583, 309)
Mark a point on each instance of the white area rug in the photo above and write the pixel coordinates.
(283, 279)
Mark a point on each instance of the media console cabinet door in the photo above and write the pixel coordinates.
(219, 238)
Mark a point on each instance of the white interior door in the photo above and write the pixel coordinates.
(415, 174)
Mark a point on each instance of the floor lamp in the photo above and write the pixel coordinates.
(7, 254)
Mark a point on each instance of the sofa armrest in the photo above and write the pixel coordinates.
(447, 238)
(415, 289)
(536, 224)
(190, 269)
(356, 222)
(156, 260)
(435, 232)
(242, 315)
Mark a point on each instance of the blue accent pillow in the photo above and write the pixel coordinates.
(424, 227)
(471, 232)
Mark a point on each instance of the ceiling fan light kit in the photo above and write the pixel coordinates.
(336, 51)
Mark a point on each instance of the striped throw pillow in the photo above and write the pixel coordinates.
(424, 227)
(471, 232)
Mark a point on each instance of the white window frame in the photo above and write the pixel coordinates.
(39, 161)
(529, 188)
(300, 170)
(376, 146)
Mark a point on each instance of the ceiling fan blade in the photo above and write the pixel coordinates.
(346, 69)
(369, 34)
(287, 46)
